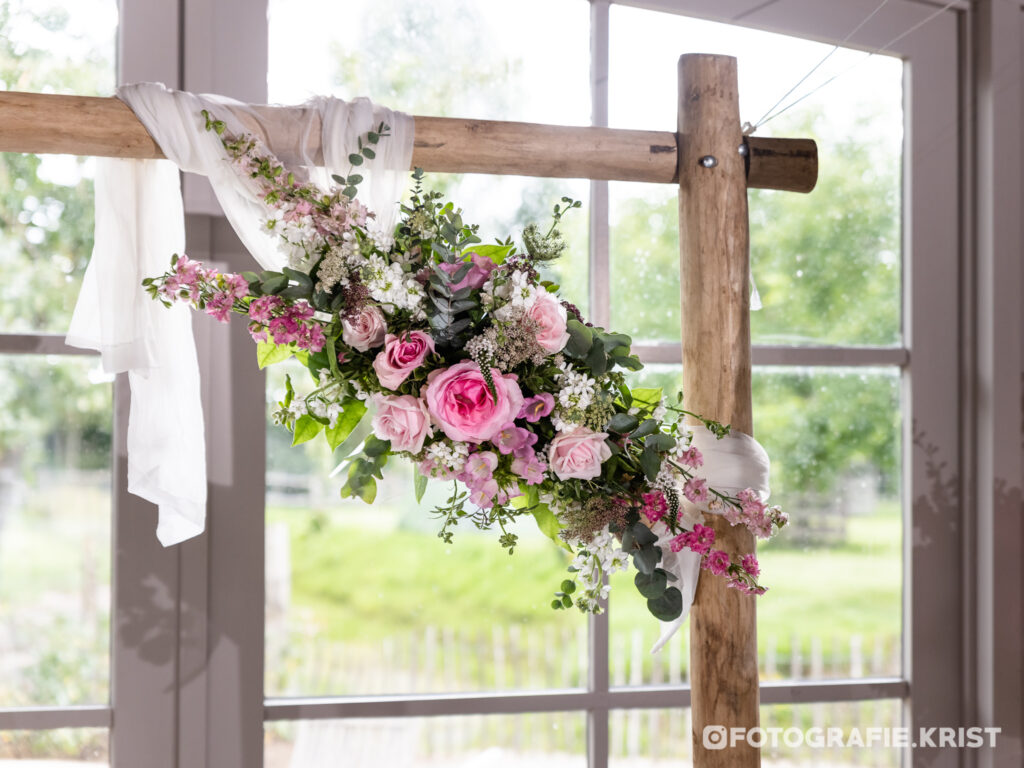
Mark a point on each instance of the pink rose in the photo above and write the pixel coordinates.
(477, 275)
(364, 330)
(547, 311)
(401, 356)
(578, 454)
(402, 419)
(460, 403)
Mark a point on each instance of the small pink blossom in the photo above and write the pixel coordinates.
(655, 506)
(219, 306)
(530, 469)
(236, 285)
(513, 439)
(696, 489)
(750, 565)
(479, 468)
(537, 407)
(701, 538)
(262, 307)
(692, 457)
(717, 562)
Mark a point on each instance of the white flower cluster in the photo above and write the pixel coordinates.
(392, 287)
(600, 557)
(576, 393)
(449, 454)
(337, 264)
(515, 296)
(382, 240)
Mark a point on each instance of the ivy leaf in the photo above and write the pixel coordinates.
(351, 414)
(306, 428)
(668, 607)
(548, 524)
(647, 397)
(496, 253)
(268, 353)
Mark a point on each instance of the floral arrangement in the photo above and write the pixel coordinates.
(476, 370)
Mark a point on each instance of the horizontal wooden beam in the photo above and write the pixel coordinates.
(106, 127)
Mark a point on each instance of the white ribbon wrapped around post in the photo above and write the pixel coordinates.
(732, 464)
(140, 223)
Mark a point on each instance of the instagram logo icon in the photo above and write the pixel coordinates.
(715, 736)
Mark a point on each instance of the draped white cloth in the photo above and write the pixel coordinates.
(732, 464)
(140, 223)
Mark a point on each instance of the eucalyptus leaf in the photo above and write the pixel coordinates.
(623, 423)
(650, 463)
(668, 607)
(651, 585)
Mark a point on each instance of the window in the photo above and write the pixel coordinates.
(56, 412)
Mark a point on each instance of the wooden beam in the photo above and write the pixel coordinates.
(714, 260)
(106, 127)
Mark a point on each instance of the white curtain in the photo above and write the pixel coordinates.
(140, 223)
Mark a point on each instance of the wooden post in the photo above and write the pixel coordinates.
(714, 261)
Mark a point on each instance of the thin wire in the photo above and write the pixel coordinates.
(769, 116)
(817, 66)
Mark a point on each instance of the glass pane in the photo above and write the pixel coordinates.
(46, 204)
(834, 439)
(366, 599)
(827, 265)
(55, 480)
(489, 74)
(57, 747)
(551, 740)
(791, 735)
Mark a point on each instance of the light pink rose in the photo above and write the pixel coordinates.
(578, 454)
(401, 356)
(460, 403)
(364, 330)
(477, 275)
(402, 419)
(547, 311)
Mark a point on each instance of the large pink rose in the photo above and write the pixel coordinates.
(401, 356)
(365, 329)
(460, 403)
(578, 454)
(402, 419)
(477, 275)
(547, 311)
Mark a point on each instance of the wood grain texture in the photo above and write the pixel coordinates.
(106, 127)
(714, 263)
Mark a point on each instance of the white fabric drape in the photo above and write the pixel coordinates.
(140, 223)
(732, 464)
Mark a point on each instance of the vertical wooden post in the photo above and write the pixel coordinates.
(714, 243)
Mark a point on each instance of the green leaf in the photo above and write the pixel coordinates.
(376, 447)
(368, 153)
(668, 607)
(647, 559)
(548, 524)
(567, 601)
(623, 423)
(419, 483)
(568, 586)
(580, 339)
(597, 360)
(351, 414)
(647, 427)
(647, 397)
(355, 159)
(368, 491)
(275, 284)
(268, 353)
(496, 253)
(660, 442)
(306, 428)
(650, 463)
(652, 585)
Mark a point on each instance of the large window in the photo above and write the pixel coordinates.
(433, 630)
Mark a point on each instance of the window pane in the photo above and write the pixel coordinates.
(55, 479)
(366, 599)
(662, 738)
(62, 746)
(834, 439)
(551, 740)
(827, 265)
(489, 74)
(46, 203)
